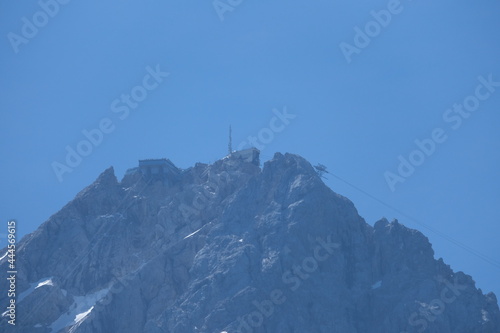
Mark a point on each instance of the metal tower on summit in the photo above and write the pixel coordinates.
(230, 145)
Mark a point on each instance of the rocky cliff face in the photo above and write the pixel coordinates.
(232, 247)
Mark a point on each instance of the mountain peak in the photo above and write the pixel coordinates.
(233, 247)
(106, 179)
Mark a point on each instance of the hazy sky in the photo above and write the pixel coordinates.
(351, 86)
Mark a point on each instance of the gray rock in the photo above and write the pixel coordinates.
(230, 247)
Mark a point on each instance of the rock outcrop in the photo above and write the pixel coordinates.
(233, 247)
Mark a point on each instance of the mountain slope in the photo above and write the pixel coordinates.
(236, 248)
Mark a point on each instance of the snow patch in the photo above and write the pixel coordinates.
(33, 286)
(4, 255)
(377, 284)
(81, 316)
(47, 282)
(78, 311)
(298, 182)
(295, 204)
(485, 315)
(192, 234)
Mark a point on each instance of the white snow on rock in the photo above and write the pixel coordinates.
(47, 282)
(78, 311)
(81, 316)
(485, 315)
(33, 286)
(295, 204)
(192, 234)
(298, 182)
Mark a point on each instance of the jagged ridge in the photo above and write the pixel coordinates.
(236, 248)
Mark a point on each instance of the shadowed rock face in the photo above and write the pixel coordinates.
(236, 248)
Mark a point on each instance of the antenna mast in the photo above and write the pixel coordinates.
(230, 145)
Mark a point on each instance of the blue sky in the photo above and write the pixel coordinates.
(356, 117)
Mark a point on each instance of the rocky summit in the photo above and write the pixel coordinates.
(232, 247)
